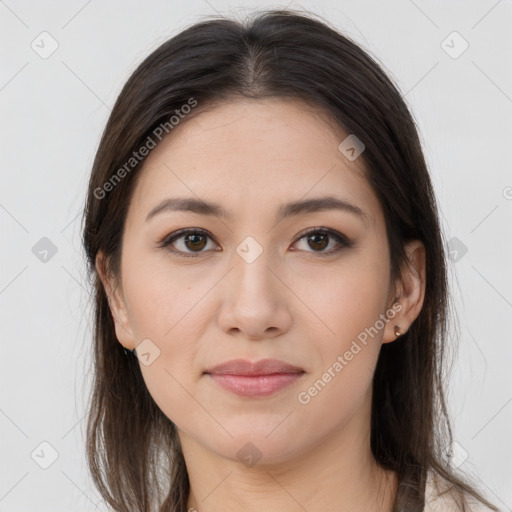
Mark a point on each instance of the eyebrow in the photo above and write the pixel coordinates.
(201, 207)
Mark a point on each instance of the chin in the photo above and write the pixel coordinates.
(257, 448)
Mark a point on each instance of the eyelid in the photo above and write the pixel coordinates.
(168, 239)
(342, 240)
(330, 231)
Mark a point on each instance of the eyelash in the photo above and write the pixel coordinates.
(341, 239)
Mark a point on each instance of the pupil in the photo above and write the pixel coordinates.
(194, 240)
(315, 240)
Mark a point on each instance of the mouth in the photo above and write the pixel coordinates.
(261, 379)
(255, 386)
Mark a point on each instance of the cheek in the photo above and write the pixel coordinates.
(160, 298)
(348, 352)
(346, 300)
(172, 316)
(166, 308)
(351, 303)
(170, 322)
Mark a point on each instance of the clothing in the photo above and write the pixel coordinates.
(435, 501)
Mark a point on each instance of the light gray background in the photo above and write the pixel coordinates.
(53, 111)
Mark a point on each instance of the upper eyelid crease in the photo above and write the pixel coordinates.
(201, 207)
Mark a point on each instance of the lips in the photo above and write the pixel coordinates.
(262, 367)
(254, 380)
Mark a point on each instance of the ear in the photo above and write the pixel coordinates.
(410, 292)
(117, 304)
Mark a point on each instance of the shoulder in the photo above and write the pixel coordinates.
(439, 497)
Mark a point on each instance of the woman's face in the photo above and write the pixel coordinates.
(253, 284)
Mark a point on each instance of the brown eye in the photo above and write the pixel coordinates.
(193, 241)
(318, 239)
(196, 241)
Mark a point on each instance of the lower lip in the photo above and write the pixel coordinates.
(256, 385)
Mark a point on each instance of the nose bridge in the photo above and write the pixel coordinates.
(253, 300)
(252, 273)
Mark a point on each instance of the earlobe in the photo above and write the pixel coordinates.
(394, 326)
(411, 292)
(116, 303)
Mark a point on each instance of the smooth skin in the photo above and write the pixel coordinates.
(298, 301)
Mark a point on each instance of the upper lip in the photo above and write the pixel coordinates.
(262, 367)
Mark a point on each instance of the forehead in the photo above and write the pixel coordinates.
(253, 154)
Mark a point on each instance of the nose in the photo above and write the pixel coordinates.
(255, 301)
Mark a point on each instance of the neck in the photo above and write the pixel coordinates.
(336, 475)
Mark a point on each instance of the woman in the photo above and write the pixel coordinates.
(262, 234)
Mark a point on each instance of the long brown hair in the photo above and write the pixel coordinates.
(133, 449)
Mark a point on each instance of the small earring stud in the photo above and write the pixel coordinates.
(397, 331)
